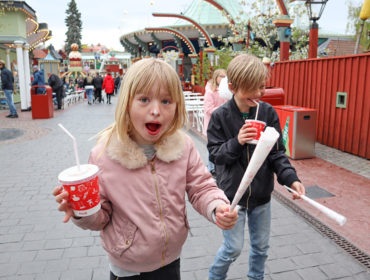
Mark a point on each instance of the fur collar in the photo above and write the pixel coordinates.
(130, 155)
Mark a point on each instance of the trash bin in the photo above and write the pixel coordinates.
(42, 104)
(274, 96)
(298, 126)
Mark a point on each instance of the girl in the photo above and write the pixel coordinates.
(147, 164)
(212, 101)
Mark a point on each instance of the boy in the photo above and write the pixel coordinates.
(228, 135)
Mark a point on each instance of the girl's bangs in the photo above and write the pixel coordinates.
(159, 76)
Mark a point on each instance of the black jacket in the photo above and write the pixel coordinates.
(55, 82)
(231, 158)
(98, 82)
(6, 79)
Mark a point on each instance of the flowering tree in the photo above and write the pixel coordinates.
(258, 16)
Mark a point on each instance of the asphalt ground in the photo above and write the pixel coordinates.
(35, 244)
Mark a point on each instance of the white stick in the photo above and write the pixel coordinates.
(341, 220)
(263, 148)
(74, 145)
(258, 106)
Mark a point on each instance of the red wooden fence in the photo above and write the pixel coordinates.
(314, 83)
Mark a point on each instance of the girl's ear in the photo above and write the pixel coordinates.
(231, 88)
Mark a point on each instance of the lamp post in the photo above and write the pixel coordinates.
(201, 42)
(181, 66)
(211, 57)
(315, 9)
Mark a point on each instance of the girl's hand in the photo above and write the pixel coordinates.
(246, 133)
(224, 218)
(61, 196)
(299, 188)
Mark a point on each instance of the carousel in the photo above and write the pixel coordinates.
(75, 63)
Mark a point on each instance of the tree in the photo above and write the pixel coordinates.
(74, 25)
(259, 16)
(354, 23)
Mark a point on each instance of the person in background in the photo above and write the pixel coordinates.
(80, 82)
(212, 101)
(7, 81)
(147, 165)
(38, 80)
(228, 136)
(98, 84)
(57, 85)
(108, 86)
(89, 88)
(117, 82)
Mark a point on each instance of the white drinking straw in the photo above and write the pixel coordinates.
(74, 145)
(258, 106)
(341, 220)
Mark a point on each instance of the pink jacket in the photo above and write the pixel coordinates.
(143, 220)
(212, 101)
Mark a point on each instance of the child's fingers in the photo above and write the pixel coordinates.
(57, 190)
(225, 223)
(68, 216)
(62, 196)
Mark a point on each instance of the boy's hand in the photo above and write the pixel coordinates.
(224, 218)
(61, 196)
(299, 188)
(246, 133)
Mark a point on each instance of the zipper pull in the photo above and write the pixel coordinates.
(152, 165)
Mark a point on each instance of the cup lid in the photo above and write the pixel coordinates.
(72, 174)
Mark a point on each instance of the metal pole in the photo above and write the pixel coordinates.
(313, 40)
(359, 37)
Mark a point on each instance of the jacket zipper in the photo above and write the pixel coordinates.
(250, 185)
(160, 213)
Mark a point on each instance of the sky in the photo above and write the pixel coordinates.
(104, 21)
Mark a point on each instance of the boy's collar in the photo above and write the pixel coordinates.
(252, 110)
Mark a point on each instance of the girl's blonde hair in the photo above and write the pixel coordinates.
(142, 77)
(216, 74)
(246, 72)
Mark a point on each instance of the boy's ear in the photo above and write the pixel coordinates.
(231, 88)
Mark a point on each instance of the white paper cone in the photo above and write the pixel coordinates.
(265, 143)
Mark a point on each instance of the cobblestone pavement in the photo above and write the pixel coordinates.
(35, 244)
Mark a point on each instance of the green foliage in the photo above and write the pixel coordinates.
(354, 24)
(74, 26)
(260, 15)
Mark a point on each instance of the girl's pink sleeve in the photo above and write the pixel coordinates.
(201, 188)
(209, 102)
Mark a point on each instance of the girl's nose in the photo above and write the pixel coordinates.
(155, 112)
(155, 109)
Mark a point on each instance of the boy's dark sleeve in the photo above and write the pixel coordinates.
(223, 149)
(286, 174)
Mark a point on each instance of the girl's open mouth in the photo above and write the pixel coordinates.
(153, 128)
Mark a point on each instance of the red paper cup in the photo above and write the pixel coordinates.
(260, 126)
(83, 189)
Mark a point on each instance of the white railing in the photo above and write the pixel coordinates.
(194, 104)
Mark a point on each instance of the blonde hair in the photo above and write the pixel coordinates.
(142, 77)
(216, 74)
(246, 72)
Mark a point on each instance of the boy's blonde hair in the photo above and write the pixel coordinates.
(216, 74)
(142, 77)
(246, 72)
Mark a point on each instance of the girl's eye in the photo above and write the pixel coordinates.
(144, 99)
(166, 101)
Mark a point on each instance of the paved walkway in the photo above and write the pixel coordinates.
(35, 244)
